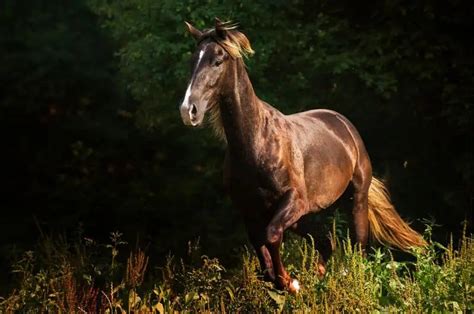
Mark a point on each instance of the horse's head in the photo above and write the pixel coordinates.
(216, 49)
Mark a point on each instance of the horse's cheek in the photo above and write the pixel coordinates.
(212, 79)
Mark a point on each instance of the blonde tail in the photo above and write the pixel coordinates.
(386, 226)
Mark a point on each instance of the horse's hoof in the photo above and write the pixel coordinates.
(321, 271)
(294, 286)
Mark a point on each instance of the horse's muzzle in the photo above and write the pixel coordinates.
(189, 115)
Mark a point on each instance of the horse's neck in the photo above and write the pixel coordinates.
(241, 110)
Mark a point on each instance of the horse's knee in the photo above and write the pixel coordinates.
(274, 234)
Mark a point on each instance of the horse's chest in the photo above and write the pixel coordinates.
(257, 186)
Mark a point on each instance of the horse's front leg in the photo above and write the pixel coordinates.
(256, 233)
(289, 210)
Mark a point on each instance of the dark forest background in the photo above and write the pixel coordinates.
(92, 140)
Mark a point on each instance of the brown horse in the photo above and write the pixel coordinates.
(279, 167)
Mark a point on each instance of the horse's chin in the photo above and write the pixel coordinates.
(192, 123)
(196, 124)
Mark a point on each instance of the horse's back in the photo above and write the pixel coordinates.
(321, 121)
(325, 123)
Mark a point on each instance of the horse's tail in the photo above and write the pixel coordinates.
(386, 226)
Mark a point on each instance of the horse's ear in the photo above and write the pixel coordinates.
(220, 28)
(193, 31)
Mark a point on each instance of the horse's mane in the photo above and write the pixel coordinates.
(232, 40)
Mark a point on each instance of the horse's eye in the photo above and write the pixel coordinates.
(218, 62)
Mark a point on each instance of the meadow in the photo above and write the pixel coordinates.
(81, 275)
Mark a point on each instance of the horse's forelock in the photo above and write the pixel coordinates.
(234, 42)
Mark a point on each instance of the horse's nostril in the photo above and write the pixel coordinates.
(193, 110)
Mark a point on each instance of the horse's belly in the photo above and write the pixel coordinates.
(326, 184)
(325, 195)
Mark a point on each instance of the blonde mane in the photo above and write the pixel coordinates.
(216, 122)
(235, 43)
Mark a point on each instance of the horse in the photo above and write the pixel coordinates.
(279, 168)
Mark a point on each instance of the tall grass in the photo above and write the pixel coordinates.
(85, 276)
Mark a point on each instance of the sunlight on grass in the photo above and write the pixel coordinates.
(88, 276)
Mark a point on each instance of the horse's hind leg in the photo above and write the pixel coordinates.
(361, 183)
(306, 228)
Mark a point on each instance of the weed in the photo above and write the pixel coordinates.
(62, 276)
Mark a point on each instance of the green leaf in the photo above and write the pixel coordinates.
(278, 297)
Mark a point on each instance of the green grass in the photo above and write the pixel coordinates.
(82, 275)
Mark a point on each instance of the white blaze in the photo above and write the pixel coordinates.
(188, 93)
(188, 90)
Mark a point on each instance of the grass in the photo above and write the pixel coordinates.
(85, 276)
